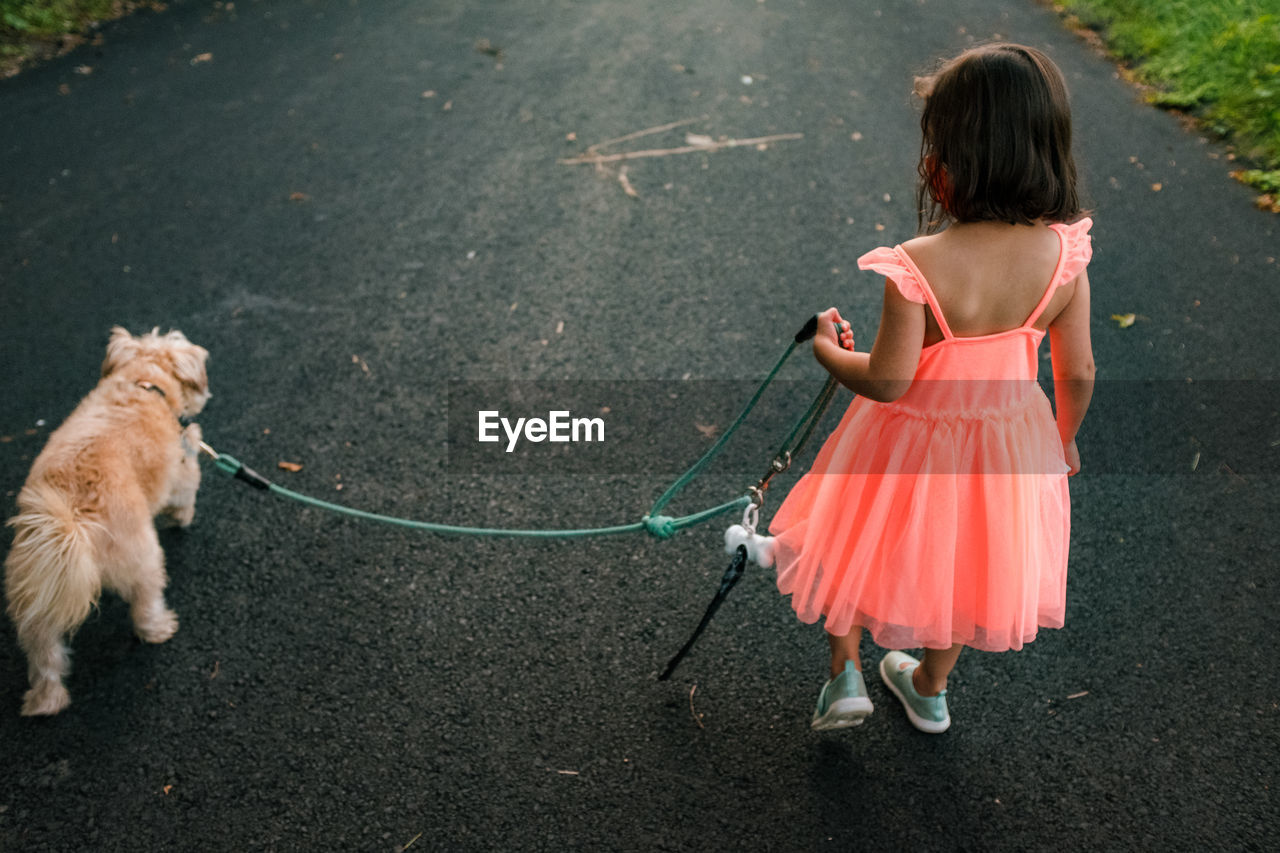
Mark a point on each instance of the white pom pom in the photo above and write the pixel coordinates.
(764, 551)
(735, 536)
(759, 548)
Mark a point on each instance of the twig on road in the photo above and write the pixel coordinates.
(694, 143)
(697, 718)
(718, 145)
(649, 131)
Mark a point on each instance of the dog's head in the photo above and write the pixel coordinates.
(170, 361)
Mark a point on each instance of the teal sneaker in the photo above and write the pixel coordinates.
(843, 701)
(927, 713)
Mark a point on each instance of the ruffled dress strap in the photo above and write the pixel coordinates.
(896, 265)
(889, 263)
(1073, 257)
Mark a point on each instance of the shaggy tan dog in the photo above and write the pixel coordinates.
(85, 518)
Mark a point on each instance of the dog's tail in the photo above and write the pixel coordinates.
(50, 576)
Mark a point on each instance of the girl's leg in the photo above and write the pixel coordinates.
(844, 649)
(930, 676)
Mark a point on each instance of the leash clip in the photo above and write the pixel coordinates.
(780, 463)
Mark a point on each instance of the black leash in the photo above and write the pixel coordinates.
(781, 462)
(731, 576)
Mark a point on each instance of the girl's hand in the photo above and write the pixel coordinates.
(832, 329)
(1072, 454)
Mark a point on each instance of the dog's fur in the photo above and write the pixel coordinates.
(86, 512)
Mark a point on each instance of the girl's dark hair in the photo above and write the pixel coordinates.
(996, 140)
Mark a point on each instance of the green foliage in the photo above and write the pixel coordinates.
(50, 17)
(1217, 58)
(1267, 182)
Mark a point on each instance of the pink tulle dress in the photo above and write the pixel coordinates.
(942, 517)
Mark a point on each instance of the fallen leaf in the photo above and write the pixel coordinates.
(430, 93)
(1124, 321)
(1268, 202)
(560, 328)
(1156, 187)
(84, 70)
(296, 196)
(856, 136)
(167, 789)
(289, 466)
(203, 57)
(707, 430)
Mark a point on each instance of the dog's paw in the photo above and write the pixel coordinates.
(45, 699)
(157, 627)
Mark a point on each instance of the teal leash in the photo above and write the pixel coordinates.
(656, 524)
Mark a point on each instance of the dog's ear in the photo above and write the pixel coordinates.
(122, 347)
(188, 368)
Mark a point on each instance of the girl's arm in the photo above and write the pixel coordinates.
(885, 373)
(1073, 368)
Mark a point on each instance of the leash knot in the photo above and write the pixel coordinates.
(661, 526)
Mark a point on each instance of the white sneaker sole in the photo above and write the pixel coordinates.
(843, 713)
(932, 727)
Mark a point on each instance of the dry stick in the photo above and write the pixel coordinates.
(626, 184)
(693, 712)
(592, 149)
(686, 149)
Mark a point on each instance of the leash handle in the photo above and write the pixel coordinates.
(808, 330)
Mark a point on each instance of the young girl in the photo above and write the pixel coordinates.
(937, 514)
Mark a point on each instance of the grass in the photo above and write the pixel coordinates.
(31, 30)
(1218, 60)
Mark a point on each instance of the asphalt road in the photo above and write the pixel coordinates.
(357, 207)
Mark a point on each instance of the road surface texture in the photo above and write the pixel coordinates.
(360, 209)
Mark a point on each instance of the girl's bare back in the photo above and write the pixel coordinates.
(989, 276)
